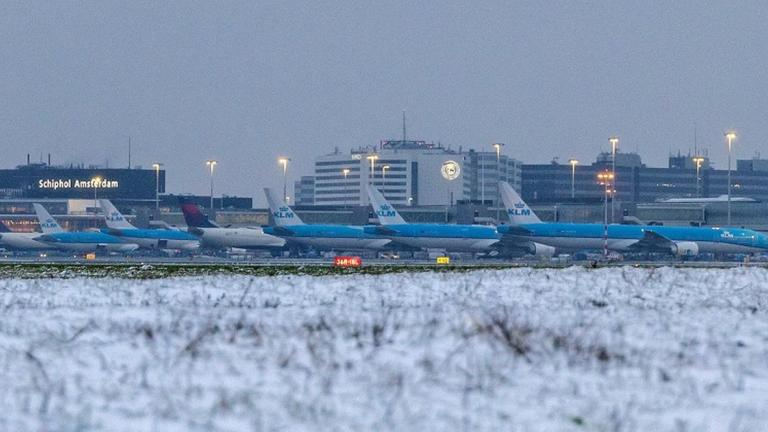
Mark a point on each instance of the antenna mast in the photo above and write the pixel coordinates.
(695, 141)
(129, 152)
(404, 135)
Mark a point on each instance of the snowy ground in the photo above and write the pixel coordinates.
(616, 349)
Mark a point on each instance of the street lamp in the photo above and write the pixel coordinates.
(498, 147)
(605, 178)
(95, 181)
(284, 162)
(698, 160)
(157, 166)
(211, 164)
(614, 140)
(345, 171)
(482, 177)
(730, 136)
(372, 158)
(573, 163)
(384, 174)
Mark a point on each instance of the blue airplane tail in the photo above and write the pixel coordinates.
(193, 216)
(3, 228)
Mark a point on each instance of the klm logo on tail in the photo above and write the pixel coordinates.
(49, 223)
(386, 210)
(115, 217)
(519, 209)
(283, 213)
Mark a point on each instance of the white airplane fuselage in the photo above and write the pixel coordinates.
(243, 238)
(22, 241)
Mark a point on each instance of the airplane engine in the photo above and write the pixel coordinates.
(541, 250)
(685, 248)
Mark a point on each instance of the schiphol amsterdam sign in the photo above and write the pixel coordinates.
(77, 184)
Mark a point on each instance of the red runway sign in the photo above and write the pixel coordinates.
(347, 261)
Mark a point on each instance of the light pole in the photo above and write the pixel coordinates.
(698, 160)
(157, 166)
(345, 171)
(284, 162)
(372, 158)
(384, 169)
(605, 178)
(730, 136)
(211, 164)
(573, 163)
(482, 177)
(96, 181)
(498, 147)
(614, 140)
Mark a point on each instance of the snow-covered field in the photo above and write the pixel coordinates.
(616, 349)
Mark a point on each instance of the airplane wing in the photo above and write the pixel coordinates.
(113, 231)
(283, 231)
(379, 230)
(513, 230)
(195, 231)
(653, 241)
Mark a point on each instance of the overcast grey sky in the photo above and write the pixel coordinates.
(246, 82)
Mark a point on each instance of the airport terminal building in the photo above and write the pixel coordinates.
(408, 173)
(70, 192)
(637, 183)
(41, 181)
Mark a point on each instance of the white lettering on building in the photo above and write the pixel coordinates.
(77, 184)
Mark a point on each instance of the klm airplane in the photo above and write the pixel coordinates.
(326, 237)
(526, 227)
(147, 238)
(87, 241)
(451, 237)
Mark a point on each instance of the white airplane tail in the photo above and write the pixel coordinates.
(384, 211)
(518, 211)
(48, 224)
(113, 216)
(281, 213)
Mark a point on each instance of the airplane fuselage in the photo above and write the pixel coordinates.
(22, 241)
(243, 238)
(155, 239)
(570, 237)
(329, 237)
(460, 238)
(85, 242)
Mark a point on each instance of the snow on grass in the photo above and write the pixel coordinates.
(616, 349)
